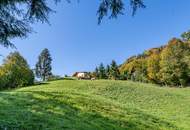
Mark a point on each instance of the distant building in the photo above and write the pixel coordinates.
(82, 75)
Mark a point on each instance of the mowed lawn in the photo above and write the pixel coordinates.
(95, 105)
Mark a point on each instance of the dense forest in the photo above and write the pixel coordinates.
(165, 65)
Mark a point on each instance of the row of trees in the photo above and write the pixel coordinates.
(109, 72)
(166, 65)
(15, 71)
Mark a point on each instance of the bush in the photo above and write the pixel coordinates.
(15, 72)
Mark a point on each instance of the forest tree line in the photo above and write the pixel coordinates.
(165, 65)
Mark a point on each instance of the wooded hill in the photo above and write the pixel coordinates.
(165, 65)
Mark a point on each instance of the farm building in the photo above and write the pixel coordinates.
(82, 75)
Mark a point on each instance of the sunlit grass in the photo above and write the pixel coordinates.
(95, 105)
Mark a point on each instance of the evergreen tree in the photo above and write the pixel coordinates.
(116, 7)
(96, 73)
(16, 21)
(114, 71)
(43, 66)
(107, 71)
(186, 36)
(102, 71)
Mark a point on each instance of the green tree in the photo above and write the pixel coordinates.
(43, 66)
(107, 71)
(15, 72)
(102, 71)
(16, 21)
(124, 75)
(186, 36)
(114, 71)
(140, 70)
(113, 8)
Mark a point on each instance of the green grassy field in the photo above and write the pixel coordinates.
(95, 105)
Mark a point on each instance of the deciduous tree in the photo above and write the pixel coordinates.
(153, 67)
(15, 72)
(174, 70)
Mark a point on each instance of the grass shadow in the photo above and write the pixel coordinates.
(57, 111)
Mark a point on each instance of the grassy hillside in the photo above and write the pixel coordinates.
(95, 105)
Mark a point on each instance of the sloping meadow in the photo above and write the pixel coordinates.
(95, 105)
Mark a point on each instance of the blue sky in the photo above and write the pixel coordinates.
(77, 43)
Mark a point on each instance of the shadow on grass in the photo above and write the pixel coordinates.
(56, 111)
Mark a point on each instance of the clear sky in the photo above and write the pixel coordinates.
(77, 43)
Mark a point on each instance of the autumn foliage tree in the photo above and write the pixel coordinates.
(166, 65)
(174, 69)
(153, 67)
